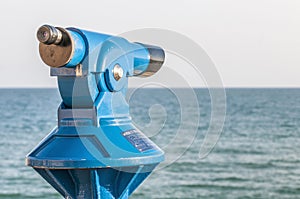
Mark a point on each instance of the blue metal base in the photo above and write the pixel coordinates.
(83, 161)
(105, 183)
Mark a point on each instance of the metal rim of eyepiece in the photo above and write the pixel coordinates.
(56, 45)
(118, 72)
(156, 60)
(49, 35)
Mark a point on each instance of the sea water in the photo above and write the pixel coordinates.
(257, 155)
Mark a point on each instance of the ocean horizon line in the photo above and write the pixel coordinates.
(226, 87)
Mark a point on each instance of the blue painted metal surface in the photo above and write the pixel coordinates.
(79, 49)
(96, 151)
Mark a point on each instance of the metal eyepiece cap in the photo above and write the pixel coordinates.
(156, 57)
(56, 45)
(47, 34)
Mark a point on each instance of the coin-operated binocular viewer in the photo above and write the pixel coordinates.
(95, 151)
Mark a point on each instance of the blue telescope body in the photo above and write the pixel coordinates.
(95, 151)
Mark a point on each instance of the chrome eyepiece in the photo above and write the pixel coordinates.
(49, 35)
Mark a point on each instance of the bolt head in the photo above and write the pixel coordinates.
(118, 72)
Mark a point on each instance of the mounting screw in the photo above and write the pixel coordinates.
(118, 72)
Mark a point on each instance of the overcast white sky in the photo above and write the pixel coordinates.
(253, 43)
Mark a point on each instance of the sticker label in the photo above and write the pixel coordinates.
(138, 140)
